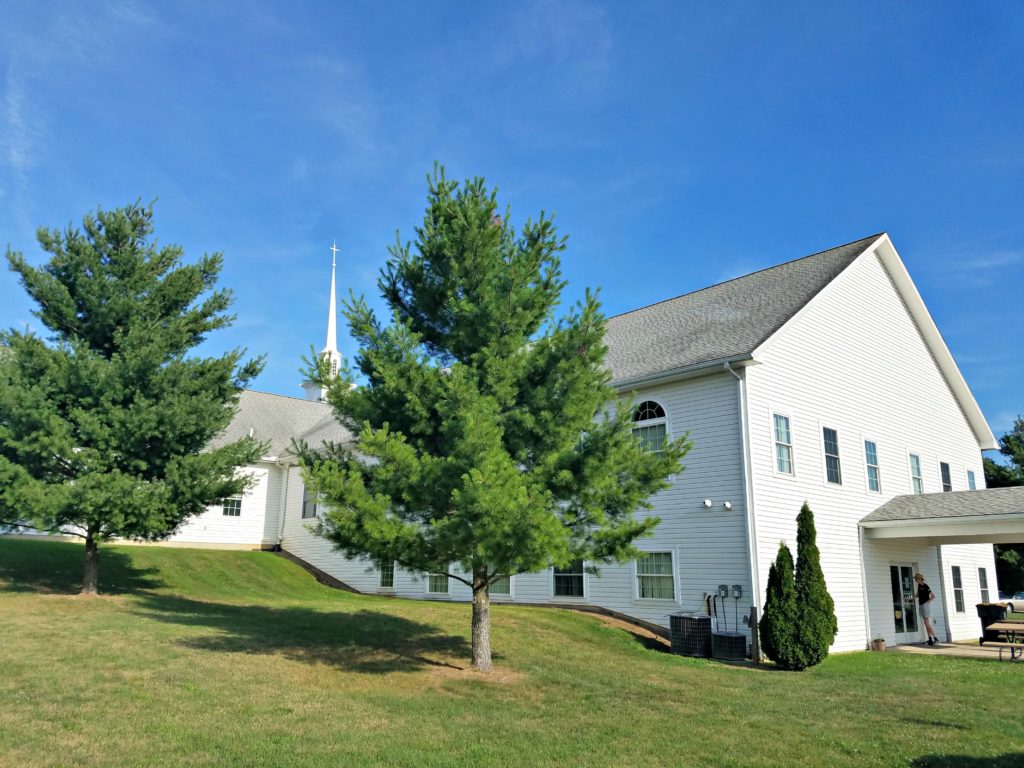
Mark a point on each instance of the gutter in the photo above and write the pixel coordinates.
(664, 377)
(908, 522)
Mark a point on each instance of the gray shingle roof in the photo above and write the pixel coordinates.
(276, 419)
(727, 321)
(938, 506)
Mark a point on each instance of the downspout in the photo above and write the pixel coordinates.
(945, 602)
(748, 487)
(864, 587)
(284, 501)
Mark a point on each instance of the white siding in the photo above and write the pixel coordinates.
(878, 556)
(852, 360)
(970, 557)
(708, 545)
(214, 527)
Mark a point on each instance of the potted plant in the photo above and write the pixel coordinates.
(878, 644)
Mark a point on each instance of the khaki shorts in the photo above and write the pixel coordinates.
(926, 610)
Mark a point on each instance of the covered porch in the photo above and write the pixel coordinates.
(947, 537)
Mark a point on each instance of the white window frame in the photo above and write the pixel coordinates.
(447, 582)
(675, 577)
(659, 421)
(773, 412)
(825, 455)
(983, 588)
(877, 465)
(920, 473)
(224, 507)
(502, 596)
(959, 603)
(569, 598)
(972, 482)
(308, 498)
(948, 474)
(380, 576)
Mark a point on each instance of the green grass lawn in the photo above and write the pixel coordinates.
(203, 658)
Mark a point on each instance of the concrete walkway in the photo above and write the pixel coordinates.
(959, 650)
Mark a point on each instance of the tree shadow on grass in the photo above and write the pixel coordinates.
(55, 567)
(1009, 760)
(357, 641)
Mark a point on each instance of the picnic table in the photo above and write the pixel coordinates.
(1014, 632)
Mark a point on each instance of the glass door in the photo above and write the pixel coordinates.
(904, 602)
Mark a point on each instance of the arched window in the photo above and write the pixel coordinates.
(649, 426)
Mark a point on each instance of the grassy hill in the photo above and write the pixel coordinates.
(205, 658)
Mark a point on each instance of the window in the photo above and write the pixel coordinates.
(947, 482)
(654, 576)
(649, 426)
(232, 507)
(871, 459)
(983, 584)
(783, 445)
(501, 586)
(568, 582)
(970, 480)
(437, 583)
(387, 575)
(309, 506)
(833, 471)
(915, 473)
(958, 589)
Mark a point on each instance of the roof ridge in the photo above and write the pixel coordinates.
(289, 397)
(749, 274)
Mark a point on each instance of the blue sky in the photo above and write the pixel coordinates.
(678, 144)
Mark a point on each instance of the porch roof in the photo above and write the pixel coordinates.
(992, 515)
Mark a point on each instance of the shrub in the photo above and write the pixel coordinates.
(776, 627)
(816, 624)
(799, 622)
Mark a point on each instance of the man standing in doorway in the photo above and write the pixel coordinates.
(925, 596)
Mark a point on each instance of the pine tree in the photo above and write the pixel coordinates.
(104, 425)
(1009, 557)
(816, 624)
(777, 626)
(482, 446)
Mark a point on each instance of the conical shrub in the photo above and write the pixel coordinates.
(816, 624)
(777, 627)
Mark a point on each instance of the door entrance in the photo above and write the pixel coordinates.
(904, 603)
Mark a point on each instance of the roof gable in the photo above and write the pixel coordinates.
(725, 322)
(273, 419)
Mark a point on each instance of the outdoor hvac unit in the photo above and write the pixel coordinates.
(691, 634)
(729, 645)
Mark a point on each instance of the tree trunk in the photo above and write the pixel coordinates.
(481, 623)
(92, 564)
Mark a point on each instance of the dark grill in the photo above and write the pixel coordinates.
(729, 645)
(690, 633)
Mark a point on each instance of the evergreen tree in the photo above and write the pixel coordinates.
(777, 626)
(103, 425)
(816, 624)
(1009, 557)
(482, 444)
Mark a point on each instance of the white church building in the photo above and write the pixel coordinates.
(823, 379)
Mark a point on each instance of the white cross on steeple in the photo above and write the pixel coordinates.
(334, 253)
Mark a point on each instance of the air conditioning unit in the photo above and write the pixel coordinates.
(690, 634)
(729, 646)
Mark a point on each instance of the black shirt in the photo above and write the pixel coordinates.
(923, 593)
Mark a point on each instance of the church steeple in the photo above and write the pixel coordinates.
(330, 350)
